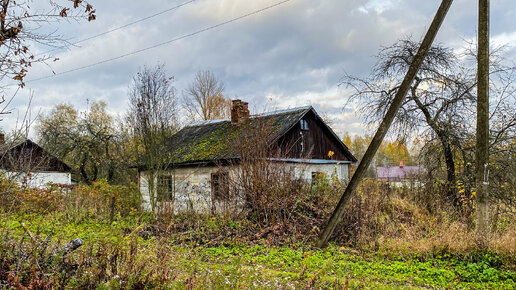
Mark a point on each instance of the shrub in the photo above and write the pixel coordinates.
(105, 200)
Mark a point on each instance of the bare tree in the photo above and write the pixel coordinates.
(153, 118)
(386, 121)
(21, 25)
(24, 24)
(440, 102)
(204, 100)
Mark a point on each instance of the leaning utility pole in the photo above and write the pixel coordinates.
(386, 123)
(482, 146)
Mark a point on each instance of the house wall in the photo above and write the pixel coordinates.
(193, 185)
(304, 170)
(192, 188)
(39, 179)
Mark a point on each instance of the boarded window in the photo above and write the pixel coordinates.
(304, 125)
(219, 185)
(165, 188)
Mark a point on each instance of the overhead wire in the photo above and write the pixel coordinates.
(162, 43)
(120, 27)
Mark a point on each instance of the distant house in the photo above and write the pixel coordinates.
(32, 166)
(398, 175)
(204, 155)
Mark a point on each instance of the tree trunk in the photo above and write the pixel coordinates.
(82, 169)
(111, 172)
(451, 177)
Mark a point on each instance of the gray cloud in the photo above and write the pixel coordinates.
(292, 55)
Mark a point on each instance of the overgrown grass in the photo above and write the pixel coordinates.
(234, 264)
(386, 240)
(121, 254)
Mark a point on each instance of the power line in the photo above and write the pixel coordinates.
(121, 27)
(162, 43)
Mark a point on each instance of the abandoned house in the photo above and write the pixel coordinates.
(32, 166)
(202, 157)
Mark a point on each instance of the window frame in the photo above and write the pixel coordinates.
(303, 124)
(165, 188)
(219, 185)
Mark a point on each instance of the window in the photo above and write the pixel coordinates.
(165, 188)
(304, 125)
(219, 185)
(317, 176)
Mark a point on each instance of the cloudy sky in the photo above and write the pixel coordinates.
(293, 54)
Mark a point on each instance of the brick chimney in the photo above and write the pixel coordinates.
(239, 111)
(401, 164)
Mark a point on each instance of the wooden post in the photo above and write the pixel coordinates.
(482, 142)
(386, 123)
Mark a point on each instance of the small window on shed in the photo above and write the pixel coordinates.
(304, 125)
(219, 185)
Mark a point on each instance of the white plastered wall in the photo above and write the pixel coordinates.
(193, 184)
(39, 179)
(304, 170)
(192, 188)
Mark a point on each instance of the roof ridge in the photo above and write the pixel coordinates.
(282, 111)
(266, 114)
(205, 122)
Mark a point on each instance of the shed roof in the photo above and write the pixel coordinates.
(11, 154)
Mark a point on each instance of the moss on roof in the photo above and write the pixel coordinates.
(217, 140)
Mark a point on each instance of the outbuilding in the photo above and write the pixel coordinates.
(31, 165)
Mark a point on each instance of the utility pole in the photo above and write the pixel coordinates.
(386, 123)
(482, 146)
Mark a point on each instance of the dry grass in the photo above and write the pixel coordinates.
(505, 242)
(399, 220)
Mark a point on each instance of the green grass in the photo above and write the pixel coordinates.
(162, 262)
(339, 264)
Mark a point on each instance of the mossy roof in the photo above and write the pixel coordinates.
(217, 140)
